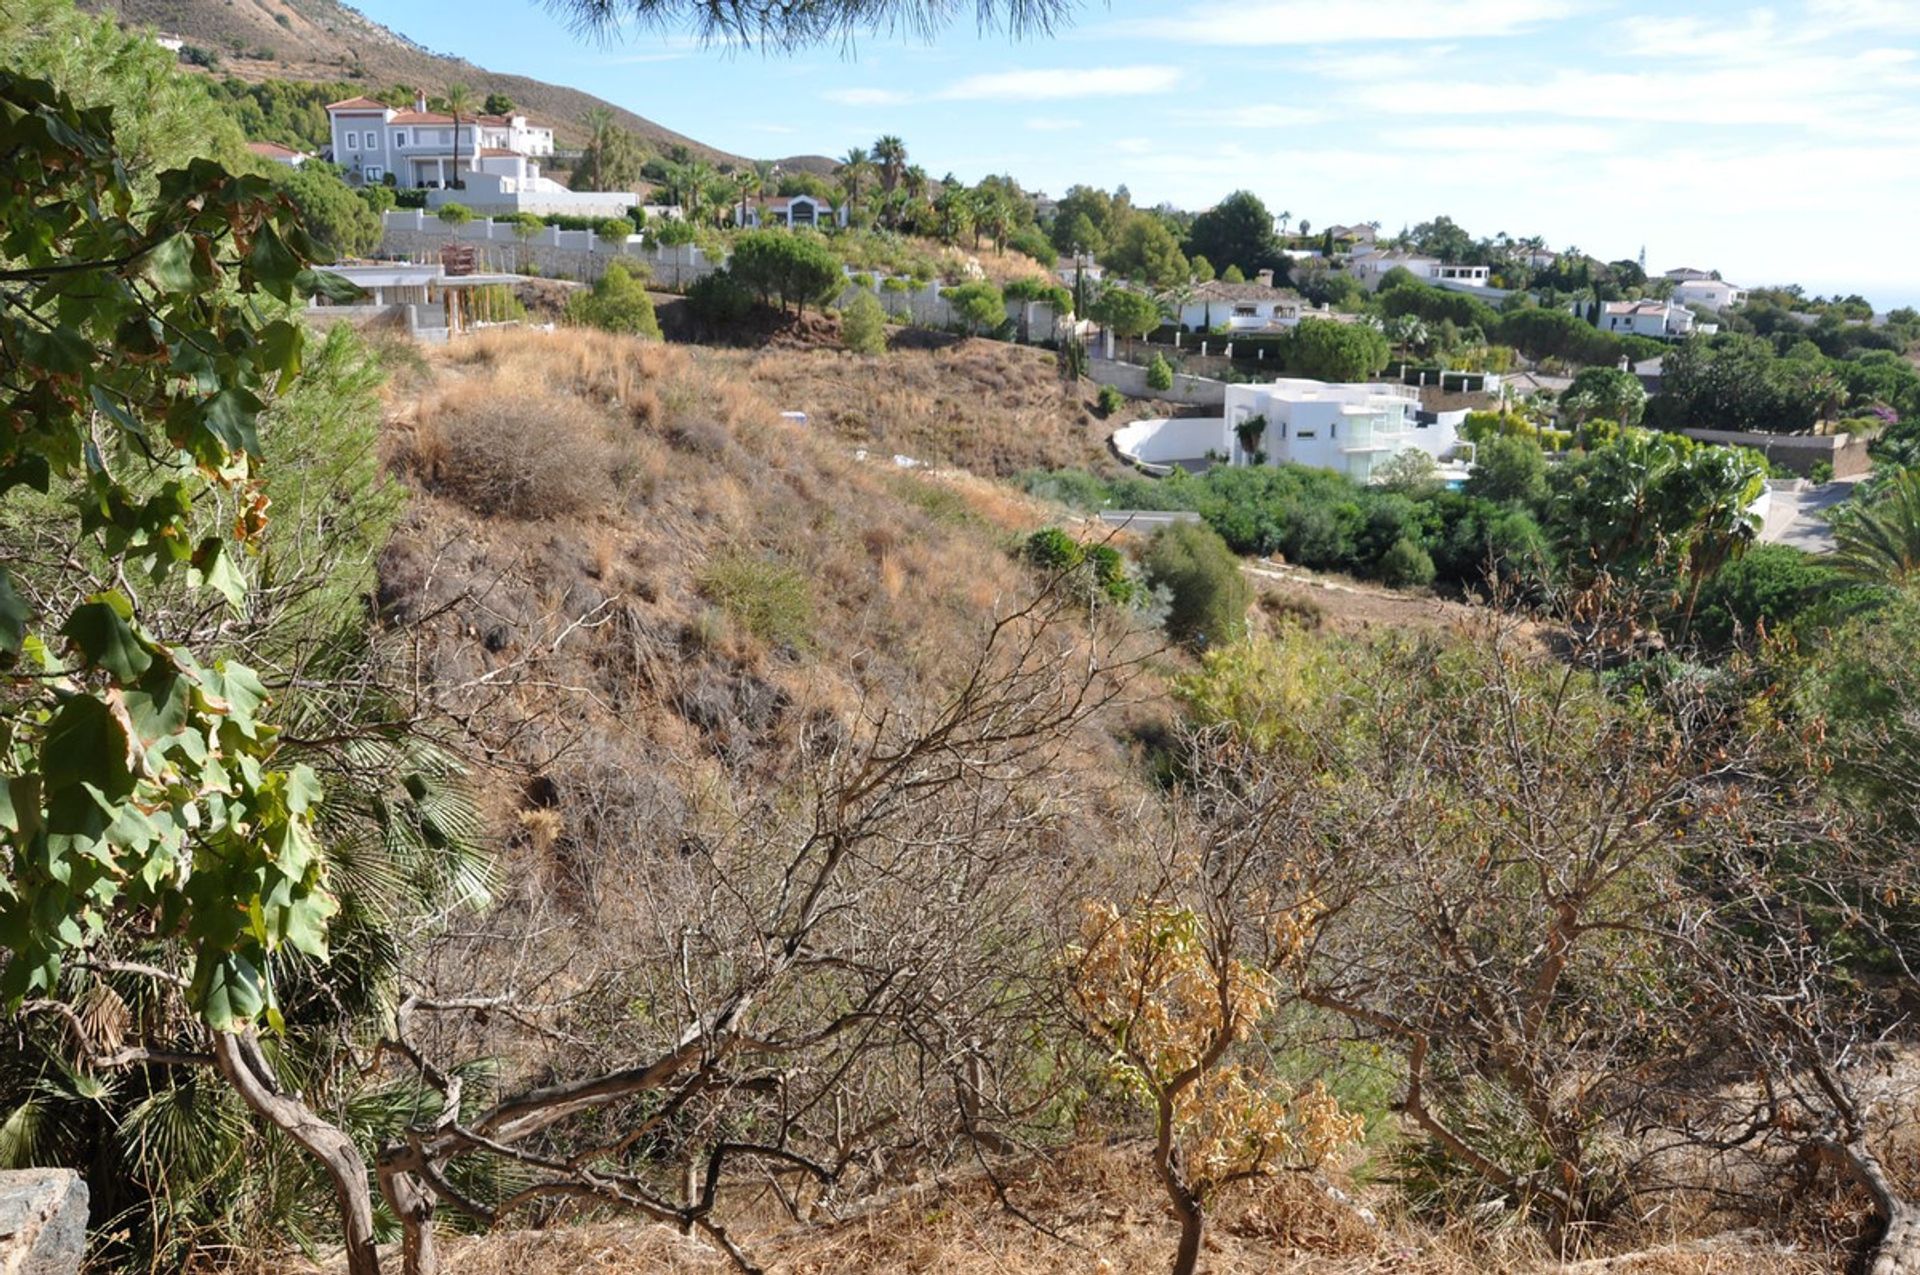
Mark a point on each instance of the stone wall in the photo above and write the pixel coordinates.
(553, 252)
(1797, 452)
(1194, 391)
(43, 1222)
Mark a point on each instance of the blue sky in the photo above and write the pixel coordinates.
(1776, 144)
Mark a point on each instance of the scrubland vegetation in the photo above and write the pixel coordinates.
(533, 805)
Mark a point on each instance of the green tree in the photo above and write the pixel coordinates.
(1238, 231)
(863, 324)
(1406, 565)
(1146, 251)
(1330, 351)
(460, 99)
(853, 170)
(1202, 269)
(1207, 594)
(455, 214)
(1078, 236)
(1509, 469)
(787, 268)
(150, 791)
(1877, 540)
(980, 306)
(339, 222)
(617, 302)
(501, 104)
(1603, 392)
(1233, 274)
(1159, 373)
(612, 158)
(1129, 315)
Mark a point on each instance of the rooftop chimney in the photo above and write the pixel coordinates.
(1264, 278)
(420, 101)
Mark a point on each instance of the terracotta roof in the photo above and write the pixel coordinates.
(1219, 290)
(357, 104)
(273, 150)
(442, 117)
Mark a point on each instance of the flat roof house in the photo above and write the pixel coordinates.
(791, 211)
(1712, 294)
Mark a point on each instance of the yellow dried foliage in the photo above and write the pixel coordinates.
(1152, 985)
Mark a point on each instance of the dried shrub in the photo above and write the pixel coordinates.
(527, 457)
(769, 599)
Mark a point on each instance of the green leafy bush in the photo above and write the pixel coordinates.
(718, 299)
(1405, 565)
(1159, 374)
(613, 229)
(455, 214)
(863, 324)
(767, 598)
(1110, 400)
(617, 302)
(788, 268)
(1207, 594)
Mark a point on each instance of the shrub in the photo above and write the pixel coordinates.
(863, 324)
(979, 306)
(1508, 469)
(675, 232)
(615, 229)
(718, 300)
(862, 280)
(1406, 565)
(1052, 549)
(893, 283)
(1207, 595)
(1769, 585)
(767, 598)
(791, 268)
(544, 457)
(1035, 244)
(1110, 400)
(1159, 373)
(617, 302)
(455, 214)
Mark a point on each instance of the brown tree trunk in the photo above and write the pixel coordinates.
(1192, 1226)
(247, 1070)
(412, 1203)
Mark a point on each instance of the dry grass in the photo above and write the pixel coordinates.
(1103, 1216)
(985, 406)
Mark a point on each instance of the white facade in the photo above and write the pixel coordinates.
(1241, 307)
(422, 148)
(1351, 429)
(798, 210)
(1714, 294)
(1370, 266)
(1650, 318)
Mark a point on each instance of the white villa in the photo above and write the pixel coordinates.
(1242, 307)
(791, 211)
(421, 148)
(1648, 317)
(1369, 265)
(1713, 294)
(1350, 428)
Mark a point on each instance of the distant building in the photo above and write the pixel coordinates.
(1662, 320)
(1350, 428)
(792, 211)
(1369, 265)
(425, 149)
(279, 154)
(1687, 274)
(1712, 294)
(1242, 307)
(1359, 234)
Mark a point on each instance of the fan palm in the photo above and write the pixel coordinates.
(459, 98)
(1879, 542)
(853, 169)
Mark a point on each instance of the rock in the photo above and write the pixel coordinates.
(43, 1222)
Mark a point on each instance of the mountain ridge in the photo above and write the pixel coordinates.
(322, 41)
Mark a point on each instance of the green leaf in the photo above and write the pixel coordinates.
(303, 924)
(108, 641)
(86, 744)
(170, 263)
(213, 564)
(274, 268)
(227, 988)
(157, 707)
(280, 343)
(326, 284)
(114, 411)
(14, 614)
(229, 416)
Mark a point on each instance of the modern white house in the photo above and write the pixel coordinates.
(1712, 294)
(1369, 265)
(792, 211)
(1350, 428)
(1647, 317)
(1242, 307)
(1687, 274)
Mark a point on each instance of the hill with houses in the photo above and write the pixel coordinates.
(324, 41)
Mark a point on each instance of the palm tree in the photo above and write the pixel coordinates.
(916, 180)
(1285, 219)
(891, 154)
(694, 177)
(853, 170)
(459, 97)
(766, 177)
(1879, 542)
(749, 180)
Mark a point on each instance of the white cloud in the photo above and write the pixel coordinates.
(1048, 84)
(1496, 142)
(1059, 84)
(1054, 124)
(1271, 22)
(1268, 115)
(1896, 16)
(865, 97)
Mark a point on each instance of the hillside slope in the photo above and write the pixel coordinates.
(324, 40)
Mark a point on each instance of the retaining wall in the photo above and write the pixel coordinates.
(1195, 391)
(1847, 453)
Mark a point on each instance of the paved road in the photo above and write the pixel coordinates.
(1146, 519)
(1799, 518)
